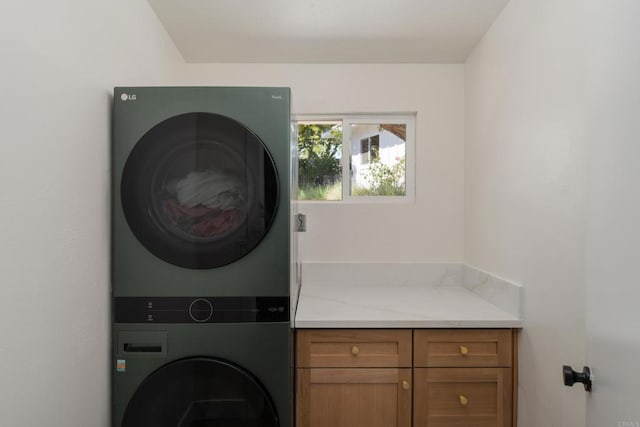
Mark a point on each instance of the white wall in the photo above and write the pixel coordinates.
(524, 190)
(431, 228)
(60, 61)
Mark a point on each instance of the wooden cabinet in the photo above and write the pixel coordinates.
(463, 378)
(352, 397)
(351, 378)
(403, 378)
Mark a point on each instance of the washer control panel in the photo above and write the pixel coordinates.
(200, 309)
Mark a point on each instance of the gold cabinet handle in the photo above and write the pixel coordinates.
(355, 350)
(464, 350)
(405, 385)
(463, 399)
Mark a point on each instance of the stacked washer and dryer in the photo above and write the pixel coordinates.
(201, 260)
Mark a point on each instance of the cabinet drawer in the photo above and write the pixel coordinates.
(462, 348)
(470, 397)
(350, 348)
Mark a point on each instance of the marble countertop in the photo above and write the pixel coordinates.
(401, 304)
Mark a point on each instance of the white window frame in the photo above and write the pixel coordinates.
(407, 119)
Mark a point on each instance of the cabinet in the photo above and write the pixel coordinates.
(351, 378)
(463, 378)
(405, 377)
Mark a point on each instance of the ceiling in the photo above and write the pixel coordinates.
(327, 31)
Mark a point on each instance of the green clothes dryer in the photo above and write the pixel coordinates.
(189, 369)
(201, 260)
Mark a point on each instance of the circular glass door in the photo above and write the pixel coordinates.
(200, 392)
(199, 190)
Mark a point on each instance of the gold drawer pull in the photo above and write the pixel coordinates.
(405, 385)
(463, 400)
(464, 350)
(355, 350)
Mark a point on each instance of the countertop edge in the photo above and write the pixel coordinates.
(407, 324)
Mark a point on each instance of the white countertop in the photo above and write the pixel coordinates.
(332, 304)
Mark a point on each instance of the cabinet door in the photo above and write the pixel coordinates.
(469, 397)
(355, 397)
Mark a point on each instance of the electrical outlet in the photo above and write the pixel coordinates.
(301, 223)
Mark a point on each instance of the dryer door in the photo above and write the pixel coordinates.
(199, 190)
(200, 392)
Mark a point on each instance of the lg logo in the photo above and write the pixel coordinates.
(127, 97)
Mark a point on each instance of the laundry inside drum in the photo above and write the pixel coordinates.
(202, 192)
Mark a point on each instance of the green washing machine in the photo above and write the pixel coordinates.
(201, 259)
(201, 191)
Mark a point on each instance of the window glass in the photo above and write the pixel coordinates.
(200, 392)
(319, 160)
(378, 159)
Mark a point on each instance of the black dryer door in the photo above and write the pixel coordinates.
(200, 392)
(199, 190)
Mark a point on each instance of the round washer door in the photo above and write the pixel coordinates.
(199, 190)
(200, 392)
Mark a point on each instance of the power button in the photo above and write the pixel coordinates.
(200, 310)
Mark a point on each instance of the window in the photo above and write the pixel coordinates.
(370, 149)
(356, 158)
